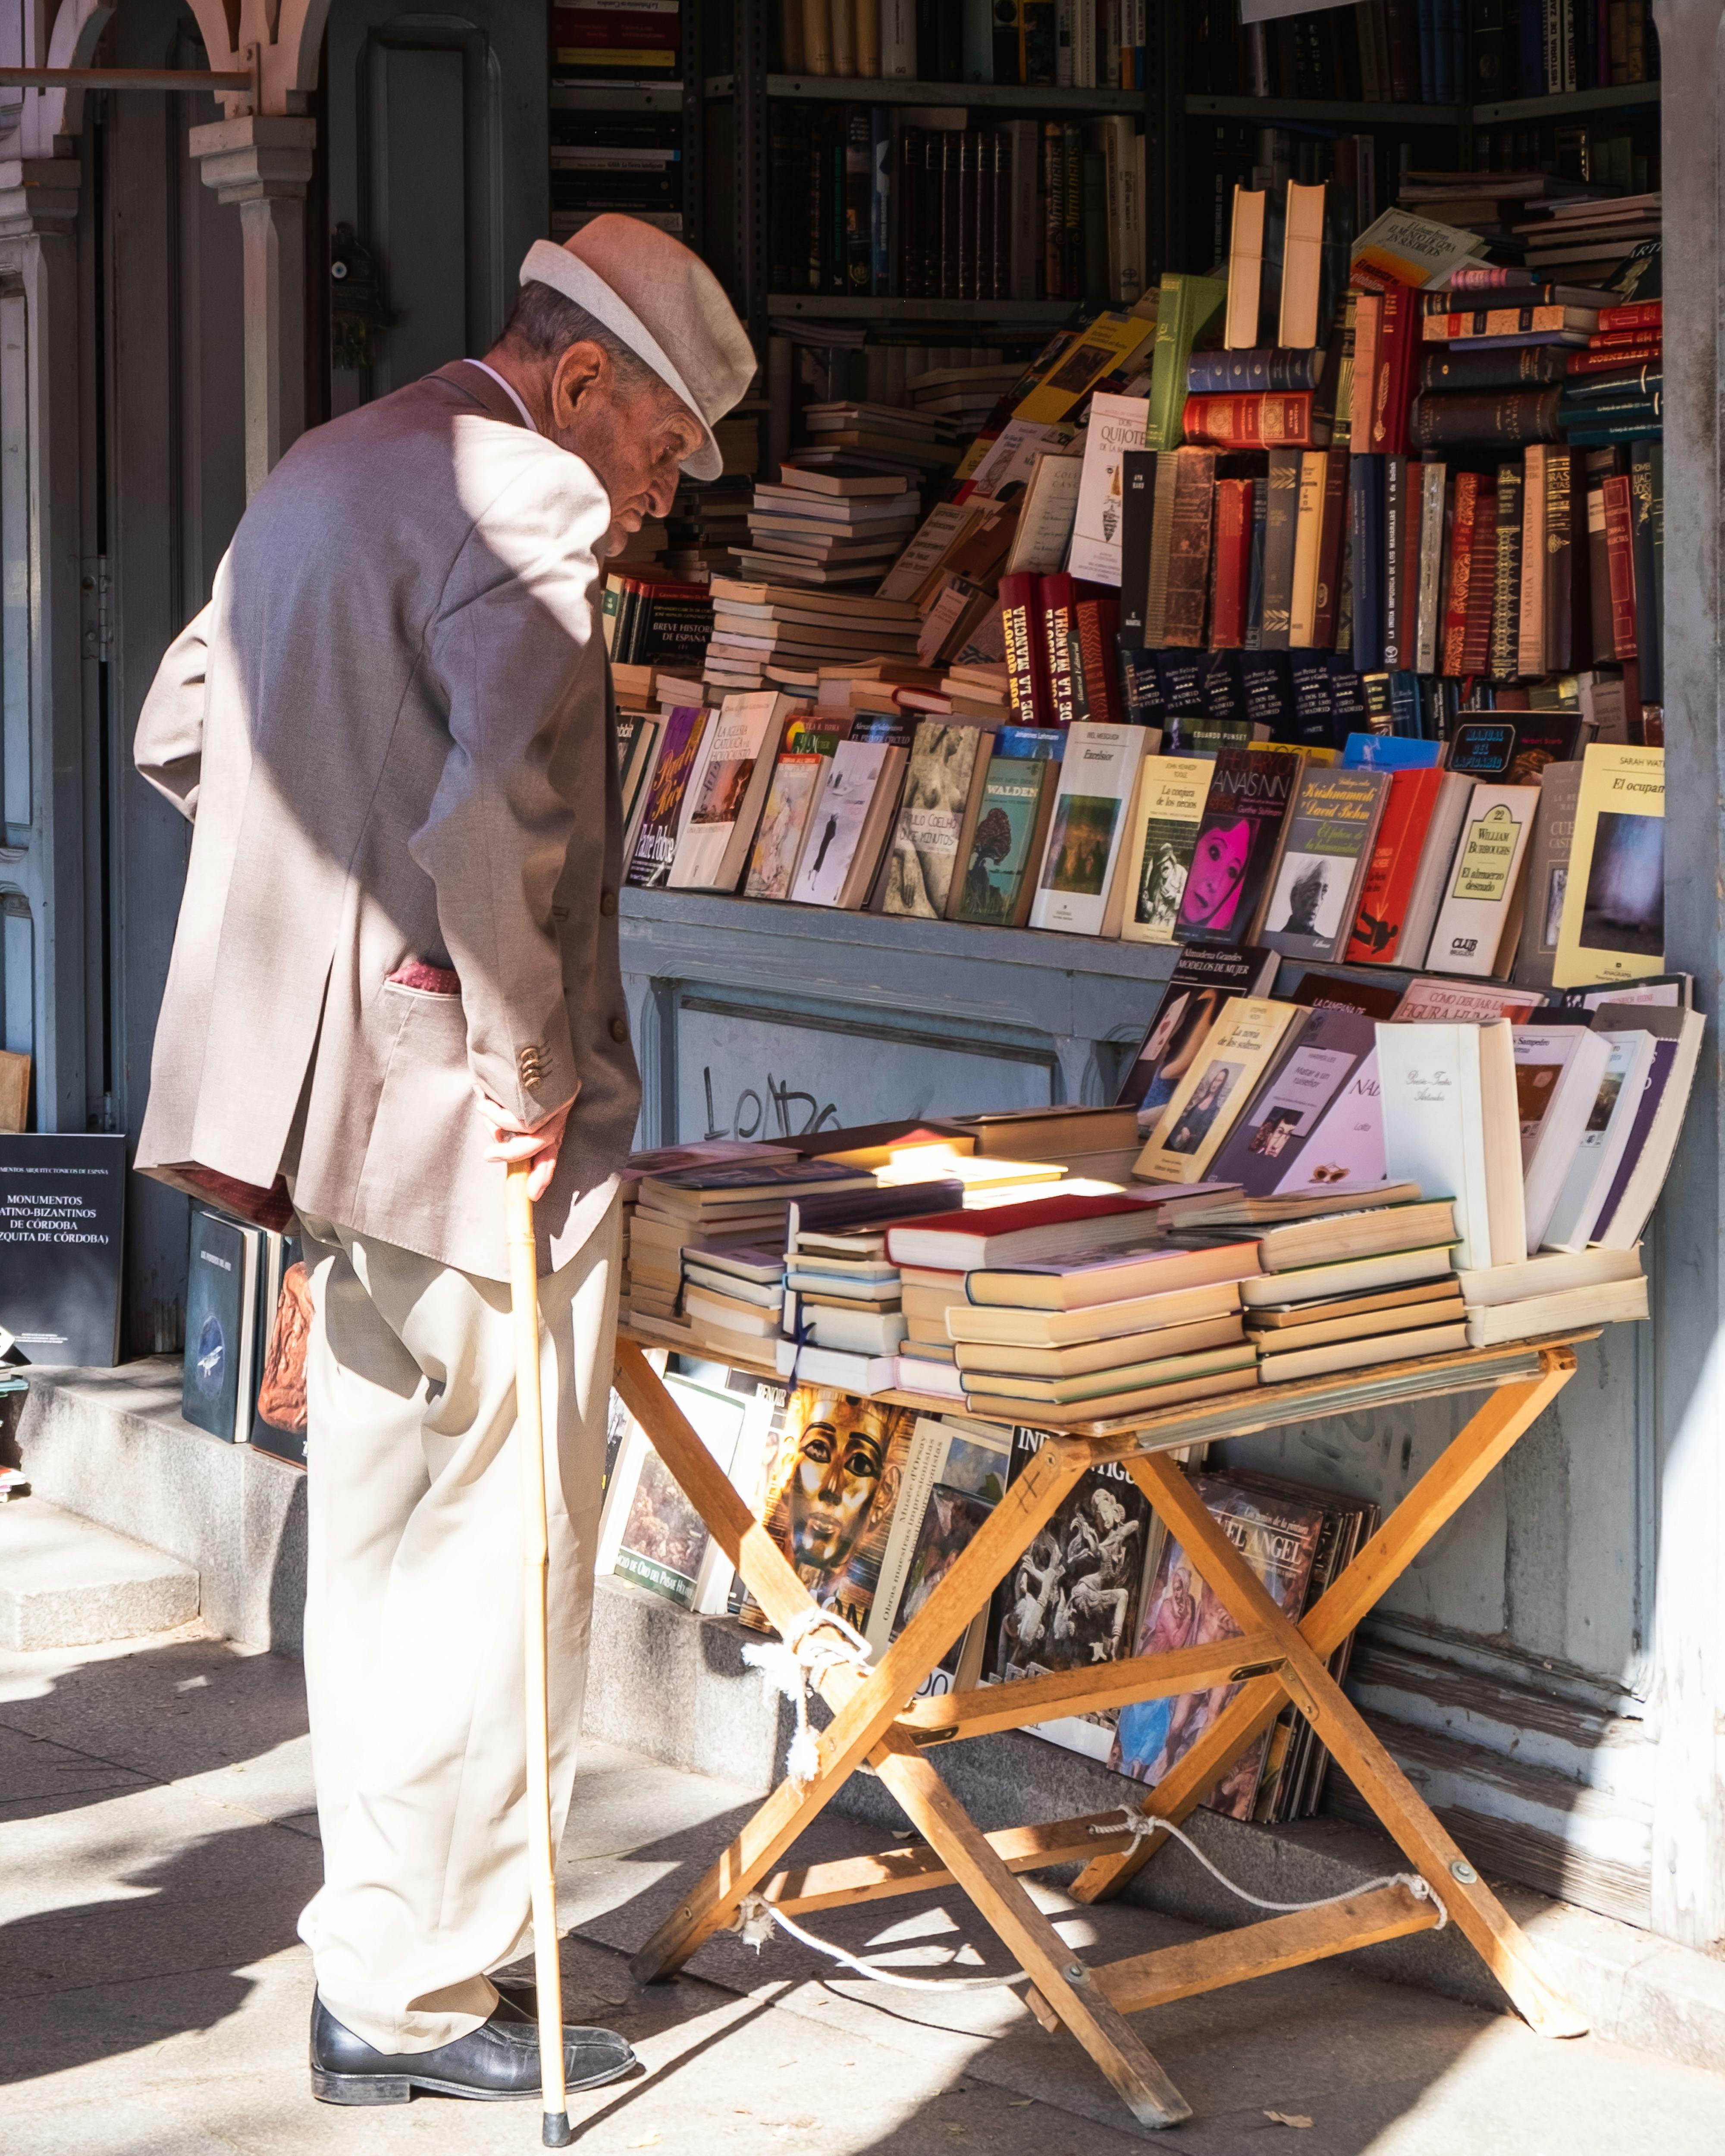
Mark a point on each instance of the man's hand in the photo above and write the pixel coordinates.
(511, 1139)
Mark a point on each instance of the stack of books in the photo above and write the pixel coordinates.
(707, 522)
(1355, 1288)
(827, 528)
(663, 1160)
(963, 396)
(638, 47)
(854, 437)
(764, 630)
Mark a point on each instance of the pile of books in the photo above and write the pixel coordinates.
(764, 630)
(852, 436)
(827, 528)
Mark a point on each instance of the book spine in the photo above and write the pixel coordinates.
(1098, 694)
(1233, 543)
(1647, 509)
(1189, 552)
(1530, 640)
(1395, 540)
(1281, 527)
(1021, 634)
(1368, 328)
(1251, 421)
(1621, 568)
(1462, 565)
(1054, 600)
(1559, 561)
(1137, 501)
(1640, 314)
(1485, 420)
(1366, 546)
(1506, 602)
(1254, 570)
(1507, 368)
(1168, 465)
(1433, 478)
(1329, 559)
(1599, 564)
(1482, 586)
(1616, 360)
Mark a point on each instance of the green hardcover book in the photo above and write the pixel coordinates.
(1004, 848)
(1186, 304)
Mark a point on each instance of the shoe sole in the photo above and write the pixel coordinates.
(399, 2088)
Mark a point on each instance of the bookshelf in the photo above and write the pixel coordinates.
(667, 101)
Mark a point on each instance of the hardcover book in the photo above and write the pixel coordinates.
(1236, 843)
(1613, 925)
(1187, 555)
(1116, 424)
(1332, 825)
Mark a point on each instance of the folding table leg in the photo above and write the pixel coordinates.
(1065, 1984)
(1452, 1478)
(864, 1705)
(1473, 1907)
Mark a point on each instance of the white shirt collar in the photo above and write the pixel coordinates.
(509, 391)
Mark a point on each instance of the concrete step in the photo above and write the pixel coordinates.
(65, 1581)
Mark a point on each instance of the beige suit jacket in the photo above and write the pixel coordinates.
(392, 727)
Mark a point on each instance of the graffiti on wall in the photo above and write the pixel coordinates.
(771, 1114)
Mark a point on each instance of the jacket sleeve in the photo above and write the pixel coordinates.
(168, 750)
(512, 644)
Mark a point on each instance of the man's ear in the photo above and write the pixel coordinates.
(582, 367)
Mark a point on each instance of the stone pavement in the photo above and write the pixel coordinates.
(159, 1843)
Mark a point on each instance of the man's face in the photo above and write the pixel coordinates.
(838, 1467)
(633, 432)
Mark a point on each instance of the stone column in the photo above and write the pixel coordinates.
(264, 164)
(1687, 1709)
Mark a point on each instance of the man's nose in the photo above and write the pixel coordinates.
(832, 1483)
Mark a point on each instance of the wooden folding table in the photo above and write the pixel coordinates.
(877, 1718)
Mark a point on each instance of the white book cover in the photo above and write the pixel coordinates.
(939, 530)
(724, 765)
(1620, 1228)
(1481, 887)
(650, 1534)
(1044, 526)
(1558, 1073)
(1099, 773)
(1346, 1151)
(1594, 1166)
(1450, 1125)
(1116, 424)
(1012, 455)
(950, 1454)
(836, 824)
(1452, 1003)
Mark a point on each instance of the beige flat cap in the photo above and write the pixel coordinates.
(665, 305)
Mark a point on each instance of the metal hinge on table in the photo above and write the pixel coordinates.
(97, 591)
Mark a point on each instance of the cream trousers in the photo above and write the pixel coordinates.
(413, 1654)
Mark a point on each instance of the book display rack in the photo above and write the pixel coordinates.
(1272, 1662)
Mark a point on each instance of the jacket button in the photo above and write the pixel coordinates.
(619, 1029)
(607, 903)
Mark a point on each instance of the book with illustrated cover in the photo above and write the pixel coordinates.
(1116, 424)
(279, 1417)
(831, 1499)
(650, 1534)
(1098, 776)
(221, 1314)
(1159, 842)
(1331, 824)
(1613, 924)
(1219, 1084)
(1205, 977)
(656, 842)
(1236, 845)
(797, 780)
(726, 790)
(945, 1452)
(1072, 1599)
(947, 762)
(1265, 1153)
(847, 827)
(1277, 1534)
(1012, 822)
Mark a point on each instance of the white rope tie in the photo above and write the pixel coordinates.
(1143, 1826)
(756, 1915)
(816, 1642)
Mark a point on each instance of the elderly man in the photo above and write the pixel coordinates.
(397, 967)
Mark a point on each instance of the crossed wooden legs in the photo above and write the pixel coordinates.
(1277, 1660)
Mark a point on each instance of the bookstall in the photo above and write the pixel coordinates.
(968, 554)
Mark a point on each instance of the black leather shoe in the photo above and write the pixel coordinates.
(520, 1995)
(498, 2063)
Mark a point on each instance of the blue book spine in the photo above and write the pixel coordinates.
(1365, 477)
(1044, 741)
(1389, 752)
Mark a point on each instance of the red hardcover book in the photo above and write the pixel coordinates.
(1026, 652)
(1621, 565)
(1639, 314)
(1622, 340)
(1232, 422)
(955, 1242)
(1399, 348)
(1368, 336)
(572, 28)
(1482, 582)
(1395, 862)
(1329, 550)
(1461, 564)
(1234, 562)
(1096, 680)
(1055, 602)
(1624, 357)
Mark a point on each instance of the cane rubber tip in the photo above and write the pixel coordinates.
(559, 2132)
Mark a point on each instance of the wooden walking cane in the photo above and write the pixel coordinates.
(530, 1429)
